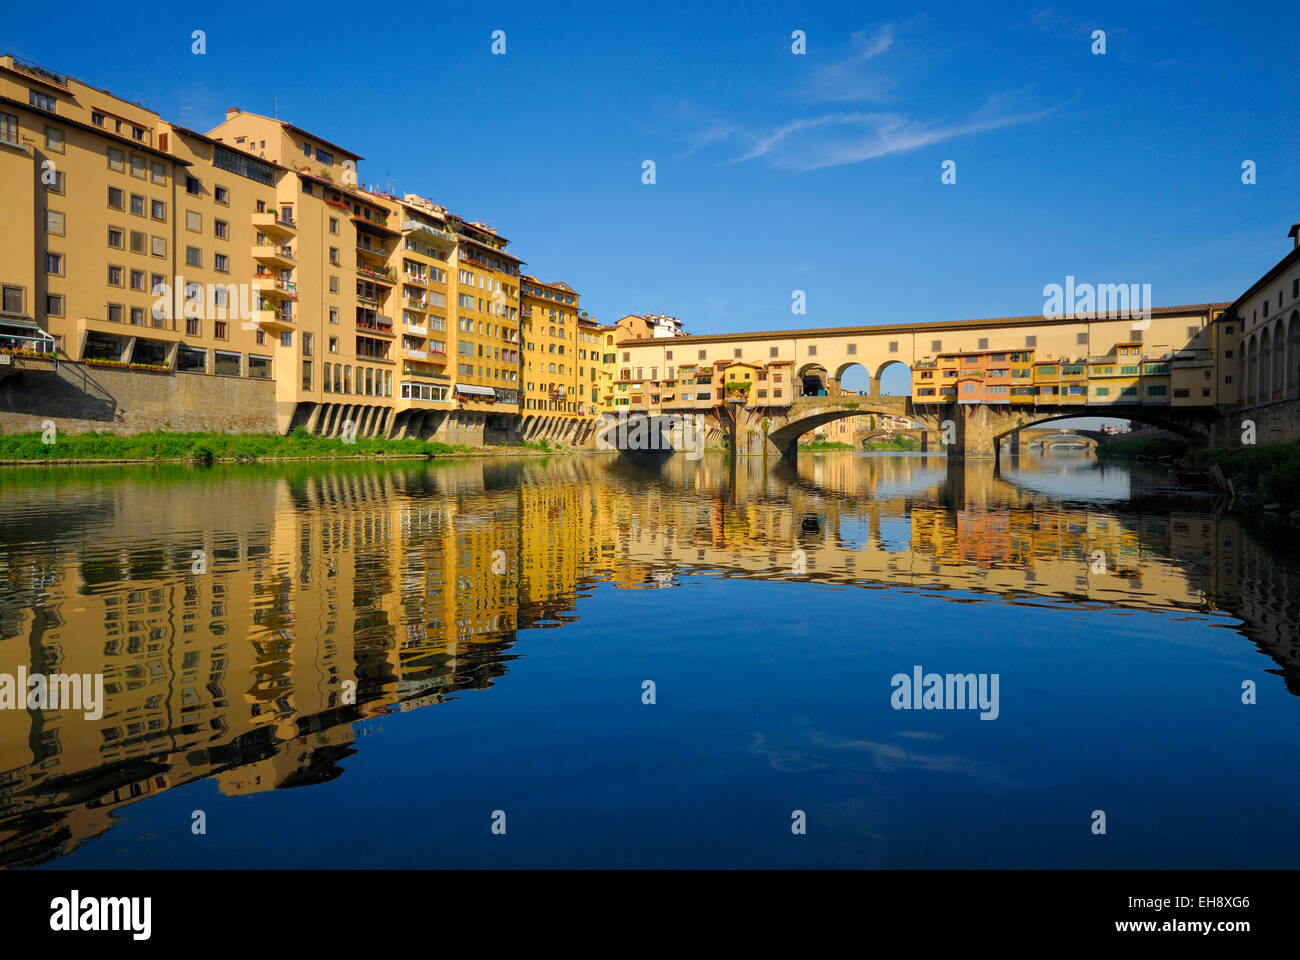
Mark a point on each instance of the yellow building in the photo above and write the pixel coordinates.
(249, 253)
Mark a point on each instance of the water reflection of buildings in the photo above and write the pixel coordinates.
(333, 595)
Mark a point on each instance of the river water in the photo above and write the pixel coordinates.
(587, 661)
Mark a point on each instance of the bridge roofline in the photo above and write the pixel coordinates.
(1278, 268)
(1039, 319)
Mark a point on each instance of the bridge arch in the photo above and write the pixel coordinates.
(813, 380)
(1279, 358)
(891, 369)
(1293, 354)
(859, 377)
(1151, 419)
(1265, 364)
(1252, 372)
(813, 415)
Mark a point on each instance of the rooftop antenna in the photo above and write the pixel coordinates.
(183, 109)
(277, 106)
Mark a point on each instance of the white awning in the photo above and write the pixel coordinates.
(475, 391)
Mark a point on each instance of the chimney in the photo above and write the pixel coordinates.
(1295, 233)
(232, 112)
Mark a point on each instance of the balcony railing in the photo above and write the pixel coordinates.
(386, 274)
(273, 251)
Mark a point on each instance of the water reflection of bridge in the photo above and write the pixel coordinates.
(411, 584)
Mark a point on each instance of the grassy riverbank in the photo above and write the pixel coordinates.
(1265, 474)
(819, 445)
(209, 447)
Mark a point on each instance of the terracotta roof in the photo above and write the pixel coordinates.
(929, 326)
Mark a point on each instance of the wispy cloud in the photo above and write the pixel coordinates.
(855, 77)
(836, 139)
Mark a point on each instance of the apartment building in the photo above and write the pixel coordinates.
(550, 313)
(251, 253)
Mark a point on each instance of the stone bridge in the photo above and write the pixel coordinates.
(973, 431)
(964, 431)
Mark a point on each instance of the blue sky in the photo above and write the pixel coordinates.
(774, 172)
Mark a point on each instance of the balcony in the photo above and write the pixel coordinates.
(274, 255)
(417, 329)
(418, 305)
(415, 354)
(378, 274)
(270, 318)
(382, 329)
(428, 229)
(274, 226)
(272, 286)
(374, 221)
(419, 281)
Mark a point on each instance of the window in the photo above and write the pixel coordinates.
(193, 257)
(158, 173)
(736, 353)
(1031, 341)
(137, 316)
(54, 264)
(936, 346)
(158, 246)
(138, 166)
(116, 237)
(221, 263)
(137, 280)
(221, 195)
(54, 139)
(334, 317)
(114, 275)
(223, 158)
(334, 286)
(115, 198)
(259, 368)
(286, 338)
(221, 329)
(226, 364)
(116, 160)
(54, 304)
(158, 210)
(137, 241)
(334, 256)
(192, 185)
(9, 129)
(137, 205)
(194, 221)
(191, 359)
(983, 343)
(115, 313)
(54, 225)
(13, 299)
(42, 101)
(59, 185)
